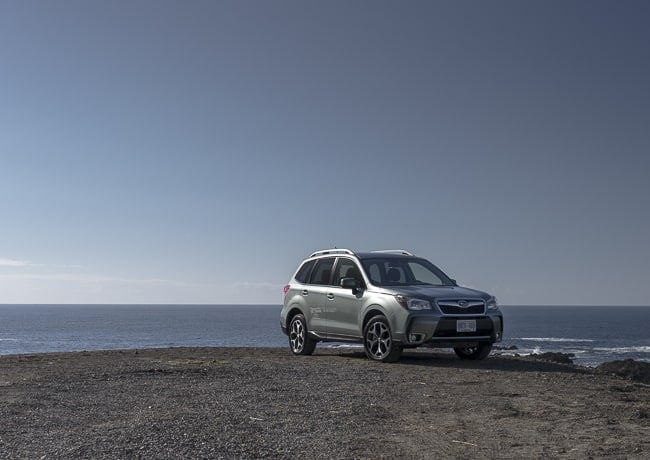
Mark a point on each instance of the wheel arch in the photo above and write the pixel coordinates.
(371, 313)
(293, 312)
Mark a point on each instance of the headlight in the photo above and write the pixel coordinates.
(492, 304)
(413, 304)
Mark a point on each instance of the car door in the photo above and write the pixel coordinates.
(344, 305)
(315, 295)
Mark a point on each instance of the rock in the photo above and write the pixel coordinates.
(628, 368)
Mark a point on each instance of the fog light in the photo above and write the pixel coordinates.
(415, 337)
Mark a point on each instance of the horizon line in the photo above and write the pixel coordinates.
(280, 304)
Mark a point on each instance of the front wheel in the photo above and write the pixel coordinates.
(299, 341)
(476, 353)
(378, 341)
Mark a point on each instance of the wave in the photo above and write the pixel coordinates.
(637, 349)
(519, 352)
(552, 339)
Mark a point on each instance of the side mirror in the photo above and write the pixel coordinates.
(349, 283)
(453, 282)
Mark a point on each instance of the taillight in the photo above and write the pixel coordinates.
(286, 289)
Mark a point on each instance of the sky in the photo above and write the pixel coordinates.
(196, 152)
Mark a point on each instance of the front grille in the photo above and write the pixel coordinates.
(462, 306)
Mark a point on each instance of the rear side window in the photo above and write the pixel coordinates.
(322, 271)
(305, 270)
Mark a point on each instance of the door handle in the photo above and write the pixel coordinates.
(330, 296)
(305, 292)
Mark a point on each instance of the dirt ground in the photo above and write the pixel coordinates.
(266, 403)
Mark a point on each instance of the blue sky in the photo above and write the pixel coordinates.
(195, 152)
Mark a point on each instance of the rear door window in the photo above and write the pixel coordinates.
(322, 272)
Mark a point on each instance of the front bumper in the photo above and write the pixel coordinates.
(440, 331)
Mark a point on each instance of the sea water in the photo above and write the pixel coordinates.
(593, 334)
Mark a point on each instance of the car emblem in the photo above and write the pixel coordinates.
(463, 303)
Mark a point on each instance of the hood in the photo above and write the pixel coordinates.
(438, 292)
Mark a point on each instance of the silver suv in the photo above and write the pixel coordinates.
(387, 300)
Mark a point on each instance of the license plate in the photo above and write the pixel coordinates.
(466, 325)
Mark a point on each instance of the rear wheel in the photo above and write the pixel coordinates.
(299, 341)
(476, 353)
(378, 341)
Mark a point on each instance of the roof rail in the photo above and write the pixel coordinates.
(395, 251)
(332, 251)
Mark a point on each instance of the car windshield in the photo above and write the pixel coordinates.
(404, 272)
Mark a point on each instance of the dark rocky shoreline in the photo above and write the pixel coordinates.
(266, 403)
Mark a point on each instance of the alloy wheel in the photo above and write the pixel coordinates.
(297, 336)
(378, 340)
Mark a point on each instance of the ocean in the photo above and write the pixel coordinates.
(594, 334)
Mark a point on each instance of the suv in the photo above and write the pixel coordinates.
(387, 300)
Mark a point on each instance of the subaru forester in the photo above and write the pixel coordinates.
(388, 301)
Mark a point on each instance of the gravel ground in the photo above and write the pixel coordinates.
(266, 403)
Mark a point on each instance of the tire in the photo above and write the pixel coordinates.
(378, 341)
(474, 353)
(299, 341)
